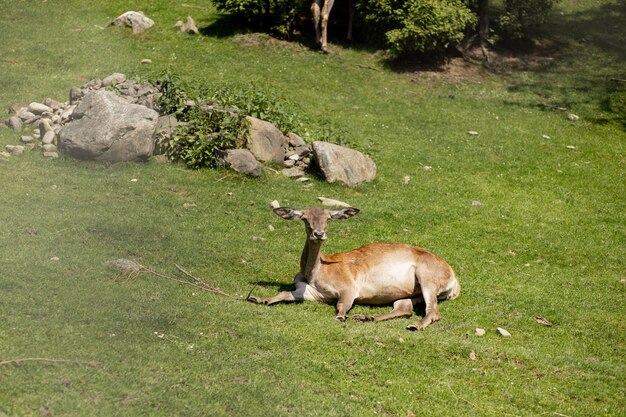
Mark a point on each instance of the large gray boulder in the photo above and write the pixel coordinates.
(104, 127)
(342, 164)
(266, 141)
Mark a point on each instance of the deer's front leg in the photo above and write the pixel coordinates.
(302, 292)
(344, 304)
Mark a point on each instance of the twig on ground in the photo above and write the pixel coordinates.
(21, 360)
(133, 269)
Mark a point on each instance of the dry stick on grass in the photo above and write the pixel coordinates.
(21, 360)
(134, 268)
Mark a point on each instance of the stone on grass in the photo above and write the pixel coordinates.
(38, 108)
(342, 164)
(135, 20)
(333, 203)
(14, 150)
(293, 172)
(188, 27)
(266, 141)
(502, 332)
(104, 127)
(15, 123)
(479, 332)
(26, 139)
(242, 161)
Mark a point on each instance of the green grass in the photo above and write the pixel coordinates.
(548, 240)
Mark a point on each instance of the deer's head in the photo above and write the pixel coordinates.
(316, 219)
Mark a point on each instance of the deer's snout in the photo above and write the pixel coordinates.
(318, 235)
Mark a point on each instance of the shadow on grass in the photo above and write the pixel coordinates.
(591, 72)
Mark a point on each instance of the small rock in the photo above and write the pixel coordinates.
(4, 156)
(68, 112)
(479, 332)
(55, 258)
(15, 150)
(48, 148)
(334, 203)
(294, 157)
(26, 139)
(75, 95)
(17, 108)
(275, 204)
(473, 356)
(289, 163)
(53, 104)
(546, 137)
(622, 281)
(258, 238)
(26, 115)
(295, 140)
(502, 332)
(242, 161)
(38, 108)
(476, 203)
(294, 172)
(188, 27)
(473, 133)
(48, 138)
(29, 146)
(114, 79)
(44, 127)
(50, 155)
(146, 61)
(303, 179)
(572, 117)
(271, 228)
(406, 180)
(427, 168)
(571, 147)
(15, 123)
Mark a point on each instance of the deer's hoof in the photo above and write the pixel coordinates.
(362, 318)
(415, 327)
(255, 300)
(340, 318)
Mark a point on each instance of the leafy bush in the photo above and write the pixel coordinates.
(521, 17)
(422, 26)
(276, 16)
(214, 119)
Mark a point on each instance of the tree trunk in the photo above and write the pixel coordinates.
(483, 22)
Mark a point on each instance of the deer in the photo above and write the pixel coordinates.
(320, 9)
(376, 274)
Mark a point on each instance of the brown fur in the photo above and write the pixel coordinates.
(374, 274)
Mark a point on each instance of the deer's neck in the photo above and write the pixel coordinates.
(310, 258)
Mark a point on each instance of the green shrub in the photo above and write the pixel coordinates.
(276, 16)
(522, 17)
(422, 26)
(214, 119)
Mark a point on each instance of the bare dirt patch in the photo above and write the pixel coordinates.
(265, 41)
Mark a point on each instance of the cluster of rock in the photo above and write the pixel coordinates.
(268, 144)
(116, 119)
(53, 124)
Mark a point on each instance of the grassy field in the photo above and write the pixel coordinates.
(548, 239)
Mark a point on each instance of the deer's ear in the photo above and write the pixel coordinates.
(288, 213)
(344, 213)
